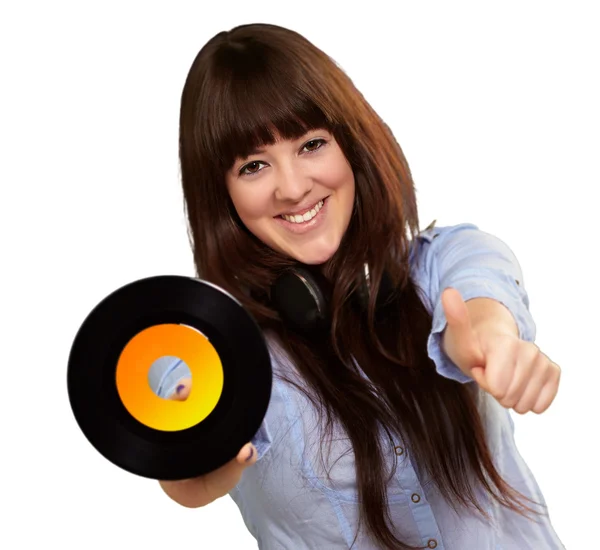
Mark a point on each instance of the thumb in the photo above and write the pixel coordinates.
(459, 340)
(457, 314)
(182, 390)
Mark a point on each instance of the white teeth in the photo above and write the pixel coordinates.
(304, 218)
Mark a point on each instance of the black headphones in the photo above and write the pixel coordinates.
(301, 295)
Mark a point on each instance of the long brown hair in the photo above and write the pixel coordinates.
(245, 88)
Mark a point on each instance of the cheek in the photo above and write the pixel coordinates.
(339, 176)
(346, 193)
(250, 203)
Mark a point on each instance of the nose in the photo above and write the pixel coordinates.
(292, 185)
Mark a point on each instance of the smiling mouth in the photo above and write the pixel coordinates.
(306, 217)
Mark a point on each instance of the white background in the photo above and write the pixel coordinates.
(496, 107)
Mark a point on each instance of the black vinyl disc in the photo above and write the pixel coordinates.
(111, 398)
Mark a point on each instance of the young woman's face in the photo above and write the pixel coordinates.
(296, 196)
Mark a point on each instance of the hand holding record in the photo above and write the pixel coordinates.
(160, 438)
(200, 491)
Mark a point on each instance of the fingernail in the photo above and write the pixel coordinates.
(180, 388)
(250, 455)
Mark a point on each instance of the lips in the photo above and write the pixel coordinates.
(304, 216)
(308, 220)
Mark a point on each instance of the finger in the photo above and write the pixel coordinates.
(247, 455)
(500, 369)
(456, 311)
(182, 390)
(528, 358)
(549, 390)
(221, 481)
(478, 374)
(463, 340)
(539, 376)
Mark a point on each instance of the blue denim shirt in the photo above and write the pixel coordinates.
(295, 498)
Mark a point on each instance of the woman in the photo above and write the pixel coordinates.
(389, 426)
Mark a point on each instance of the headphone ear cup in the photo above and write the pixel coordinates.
(300, 295)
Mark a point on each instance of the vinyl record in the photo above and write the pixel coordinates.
(111, 397)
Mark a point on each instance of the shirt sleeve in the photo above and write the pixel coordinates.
(478, 265)
(262, 440)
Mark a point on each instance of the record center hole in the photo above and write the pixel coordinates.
(170, 378)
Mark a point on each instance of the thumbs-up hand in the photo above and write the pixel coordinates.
(486, 348)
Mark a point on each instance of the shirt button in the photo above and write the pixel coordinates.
(416, 498)
(432, 543)
(399, 450)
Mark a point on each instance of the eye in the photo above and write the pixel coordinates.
(313, 145)
(251, 168)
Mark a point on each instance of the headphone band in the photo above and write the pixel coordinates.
(301, 295)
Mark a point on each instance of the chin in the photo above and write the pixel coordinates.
(313, 257)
